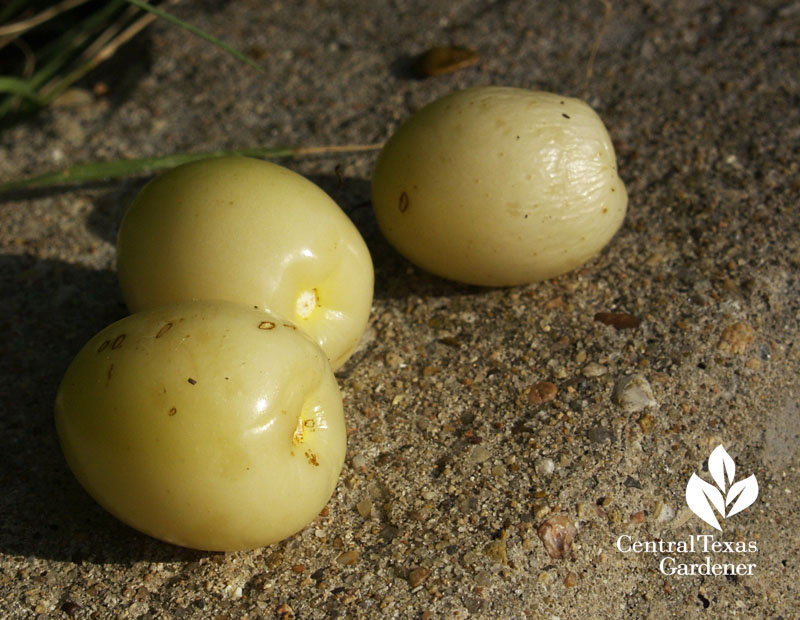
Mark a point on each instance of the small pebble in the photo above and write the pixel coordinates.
(540, 509)
(544, 467)
(546, 576)
(364, 507)
(392, 360)
(600, 434)
(571, 579)
(542, 392)
(348, 558)
(664, 512)
(646, 423)
(618, 320)
(633, 393)
(593, 369)
(389, 533)
(497, 551)
(483, 578)
(417, 576)
(358, 461)
(632, 483)
(557, 534)
(736, 338)
(480, 454)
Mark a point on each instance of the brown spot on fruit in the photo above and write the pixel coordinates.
(118, 341)
(267, 325)
(163, 330)
(403, 203)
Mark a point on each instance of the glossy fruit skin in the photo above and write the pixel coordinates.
(499, 186)
(249, 231)
(205, 424)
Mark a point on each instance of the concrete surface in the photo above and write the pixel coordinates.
(454, 468)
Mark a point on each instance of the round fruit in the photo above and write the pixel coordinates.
(249, 231)
(499, 186)
(205, 424)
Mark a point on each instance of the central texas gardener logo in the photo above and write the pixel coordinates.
(701, 495)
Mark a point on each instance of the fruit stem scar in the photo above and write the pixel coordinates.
(299, 431)
(306, 303)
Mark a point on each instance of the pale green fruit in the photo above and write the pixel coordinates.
(253, 232)
(205, 424)
(499, 186)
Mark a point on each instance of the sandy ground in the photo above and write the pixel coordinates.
(454, 469)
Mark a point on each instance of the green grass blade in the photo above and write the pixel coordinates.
(197, 31)
(98, 171)
(16, 86)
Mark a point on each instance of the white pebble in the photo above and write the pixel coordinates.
(633, 393)
(593, 369)
(544, 467)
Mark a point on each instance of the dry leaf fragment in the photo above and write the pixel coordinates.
(618, 320)
(445, 59)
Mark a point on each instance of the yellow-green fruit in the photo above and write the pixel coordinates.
(499, 186)
(205, 424)
(249, 231)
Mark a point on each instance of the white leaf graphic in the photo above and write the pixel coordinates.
(747, 490)
(698, 495)
(719, 464)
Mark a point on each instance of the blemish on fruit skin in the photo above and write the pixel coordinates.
(403, 203)
(118, 341)
(103, 346)
(192, 381)
(266, 325)
(172, 411)
(163, 330)
(108, 374)
(298, 435)
(312, 458)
